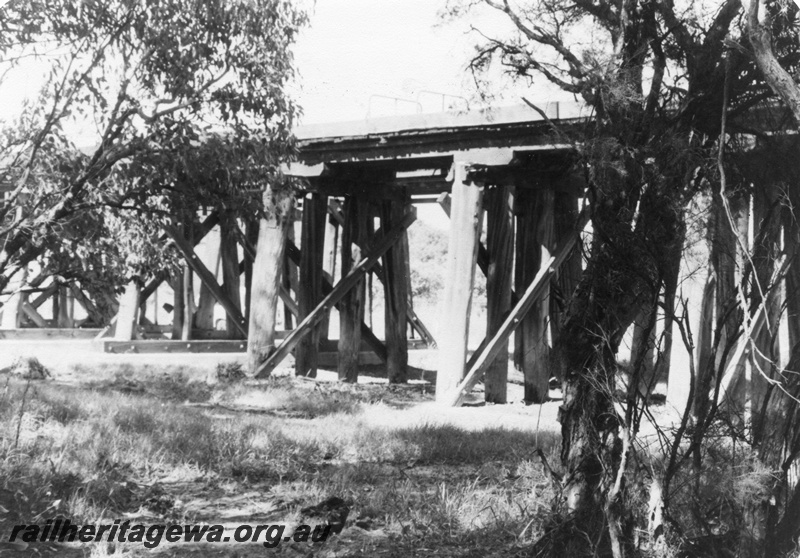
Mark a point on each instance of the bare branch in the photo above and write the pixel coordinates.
(539, 35)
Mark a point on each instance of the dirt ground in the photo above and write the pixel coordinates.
(191, 493)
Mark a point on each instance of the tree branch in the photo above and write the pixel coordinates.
(758, 31)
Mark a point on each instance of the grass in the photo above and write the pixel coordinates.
(170, 448)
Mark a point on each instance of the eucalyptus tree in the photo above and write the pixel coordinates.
(145, 84)
(663, 81)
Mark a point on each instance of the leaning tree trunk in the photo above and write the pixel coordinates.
(759, 33)
(272, 233)
(779, 450)
(628, 263)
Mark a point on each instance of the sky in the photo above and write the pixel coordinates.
(355, 51)
(354, 54)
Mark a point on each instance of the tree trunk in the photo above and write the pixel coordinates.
(128, 312)
(760, 35)
(643, 344)
(705, 338)
(633, 237)
(792, 246)
(780, 442)
(779, 448)
(273, 232)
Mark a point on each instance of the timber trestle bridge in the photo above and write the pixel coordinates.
(502, 169)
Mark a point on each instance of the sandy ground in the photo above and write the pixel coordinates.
(78, 362)
(69, 360)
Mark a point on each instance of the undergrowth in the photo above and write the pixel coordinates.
(130, 445)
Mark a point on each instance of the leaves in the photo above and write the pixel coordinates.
(182, 101)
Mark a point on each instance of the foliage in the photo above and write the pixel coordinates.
(177, 99)
(428, 253)
(670, 84)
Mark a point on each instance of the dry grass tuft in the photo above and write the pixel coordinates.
(179, 450)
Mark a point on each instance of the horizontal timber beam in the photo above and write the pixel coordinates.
(173, 346)
(36, 333)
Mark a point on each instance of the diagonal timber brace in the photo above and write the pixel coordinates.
(735, 365)
(29, 310)
(367, 336)
(43, 296)
(187, 250)
(87, 304)
(335, 211)
(488, 350)
(336, 294)
(205, 227)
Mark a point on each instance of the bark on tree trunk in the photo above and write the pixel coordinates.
(128, 312)
(781, 441)
(781, 82)
(632, 239)
(779, 449)
(644, 340)
(267, 267)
